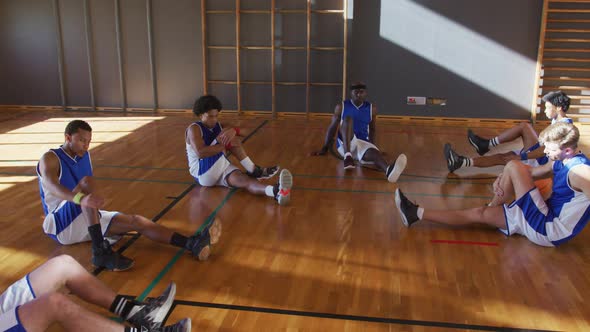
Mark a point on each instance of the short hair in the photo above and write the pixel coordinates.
(557, 99)
(206, 103)
(358, 85)
(75, 125)
(566, 135)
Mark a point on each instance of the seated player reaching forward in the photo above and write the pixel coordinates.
(546, 223)
(206, 142)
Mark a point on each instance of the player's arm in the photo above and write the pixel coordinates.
(543, 171)
(579, 178)
(201, 149)
(332, 129)
(372, 124)
(49, 170)
(537, 153)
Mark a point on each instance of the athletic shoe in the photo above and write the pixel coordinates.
(200, 244)
(181, 326)
(482, 146)
(395, 170)
(106, 258)
(263, 173)
(407, 209)
(283, 187)
(348, 162)
(454, 161)
(152, 314)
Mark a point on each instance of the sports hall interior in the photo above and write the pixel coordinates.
(338, 257)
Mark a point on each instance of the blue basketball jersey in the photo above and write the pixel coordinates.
(361, 118)
(209, 136)
(570, 209)
(71, 171)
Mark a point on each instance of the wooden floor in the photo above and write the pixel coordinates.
(337, 258)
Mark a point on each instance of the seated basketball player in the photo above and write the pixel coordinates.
(34, 302)
(546, 223)
(354, 119)
(206, 144)
(72, 206)
(556, 104)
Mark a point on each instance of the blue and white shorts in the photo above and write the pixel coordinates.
(16, 295)
(527, 216)
(217, 175)
(67, 224)
(358, 148)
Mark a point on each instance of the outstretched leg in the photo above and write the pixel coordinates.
(516, 181)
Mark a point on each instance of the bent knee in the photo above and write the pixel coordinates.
(64, 260)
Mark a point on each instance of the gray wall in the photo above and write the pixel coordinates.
(480, 55)
(477, 54)
(29, 61)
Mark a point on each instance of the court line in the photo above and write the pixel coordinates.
(369, 319)
(207, 221)
(171, 205)
(181, 251)
(390, 193)
(473, 243)
(296, 188)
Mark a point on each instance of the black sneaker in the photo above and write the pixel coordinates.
(199, 245)
(454, 161)
(105, 257)
(181, 326)
(152, 314)
(482, 146)
(395, 170)
(348, 162)
(263, 173)
(407, 209)
(283, 188)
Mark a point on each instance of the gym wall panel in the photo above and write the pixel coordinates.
(178, 56)
(105, 62)
(134, 37)
(28, 56)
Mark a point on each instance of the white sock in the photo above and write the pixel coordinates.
(348, 154)
(269, 191)
(420, 212)
(494, 141)
(467, 162)
(248, 164)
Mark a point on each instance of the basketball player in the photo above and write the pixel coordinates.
(356, 118)
(546, 223)
(34, 302)
(556, 104)
(72, 206)
(206, 143)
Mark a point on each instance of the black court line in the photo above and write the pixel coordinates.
(177, 199)
(368, 319)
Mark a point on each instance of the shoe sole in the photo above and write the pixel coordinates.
(398, 204)
(215, 231)
(285, 182)
(350, 167)
(161, 313)
(398, 168)
(204, 253)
